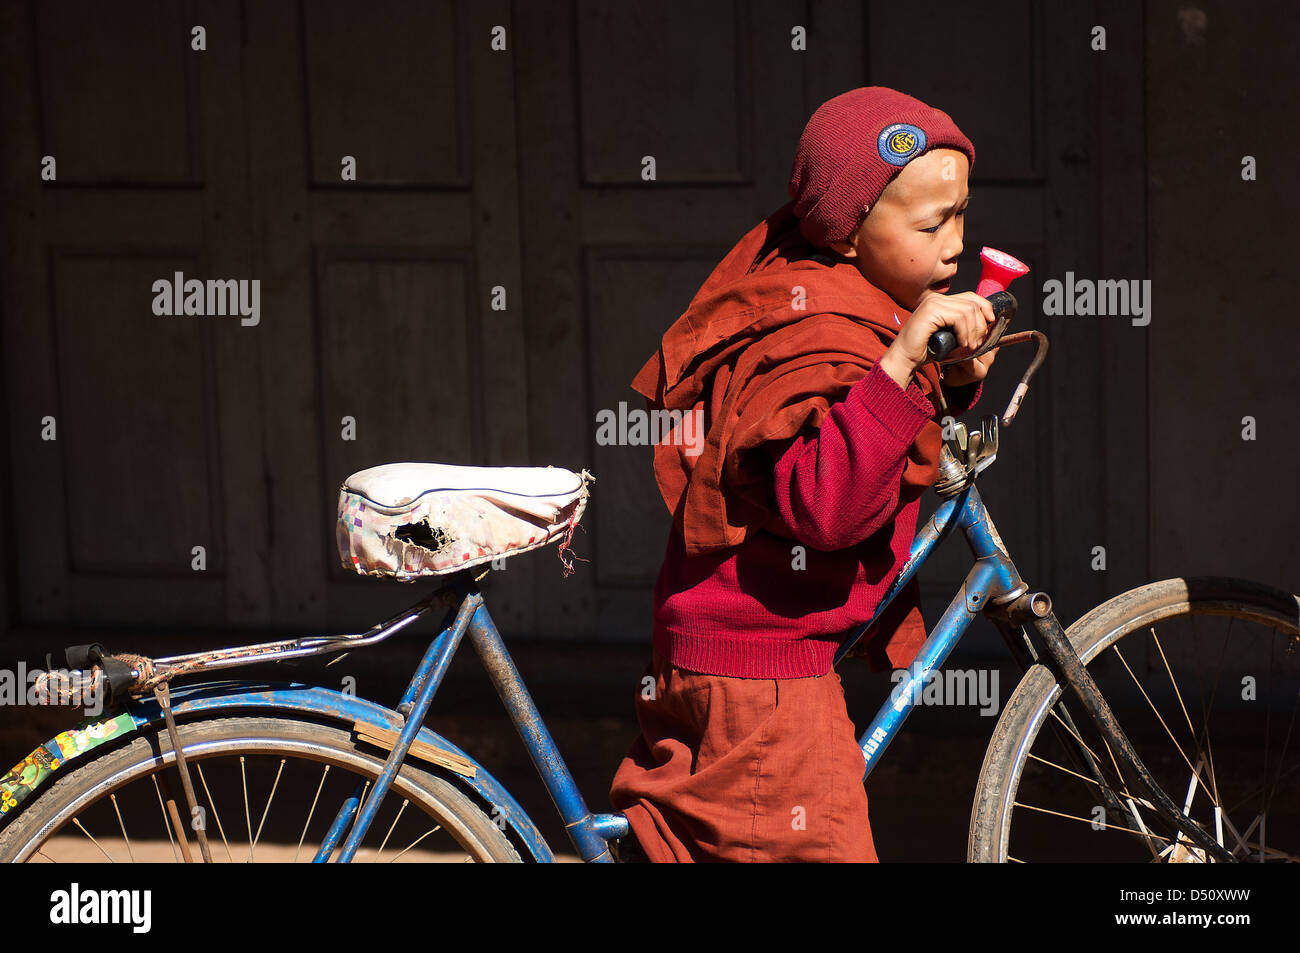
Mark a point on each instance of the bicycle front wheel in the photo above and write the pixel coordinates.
(267, 788)
(1202, 674)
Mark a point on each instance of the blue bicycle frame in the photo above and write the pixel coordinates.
(993, 579)
(590, 833)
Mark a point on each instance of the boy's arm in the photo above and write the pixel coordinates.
(839, 486)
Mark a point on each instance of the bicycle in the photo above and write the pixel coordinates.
(1117, 778)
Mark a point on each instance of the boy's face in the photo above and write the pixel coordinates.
(908, 244)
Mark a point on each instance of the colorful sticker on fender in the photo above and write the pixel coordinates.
(28, 774)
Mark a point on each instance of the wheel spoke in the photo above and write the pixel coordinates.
(248, 820)
(1137, 819)
(1174, 682)
(1213, 789)
(1282, 758)
(167, 824)
(215, 816)
(1232, 829)
(361, 802)
(1088, 820)
(1105, 787)
(130, 853)
(1214, 693)
(1181, 841)
(390, 829)
(1204, 742)
(414, 842)
(1286, 743)
(311, 812)
(1121, 790)
(77, 821)
(266, 810)
(1255, 790)
(1123, 794)
(1156, 712)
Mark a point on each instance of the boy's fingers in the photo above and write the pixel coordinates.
(976, 328)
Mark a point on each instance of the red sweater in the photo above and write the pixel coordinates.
(756, 610)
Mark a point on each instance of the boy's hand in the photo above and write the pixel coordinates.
(968, 372)
(969, 315)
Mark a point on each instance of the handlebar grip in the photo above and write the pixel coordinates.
(944, 341)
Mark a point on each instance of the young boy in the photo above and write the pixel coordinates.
(805, 354)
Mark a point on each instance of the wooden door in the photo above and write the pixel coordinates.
(492, 278)
(131, 432)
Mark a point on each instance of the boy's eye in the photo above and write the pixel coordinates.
(934, 228)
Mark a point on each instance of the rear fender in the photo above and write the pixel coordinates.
(227, 697)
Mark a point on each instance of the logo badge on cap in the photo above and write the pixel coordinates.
(900, 142)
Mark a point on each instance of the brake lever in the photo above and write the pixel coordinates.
(1022, 388)
(975, 450)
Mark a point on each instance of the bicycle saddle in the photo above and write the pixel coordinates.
(406, 520)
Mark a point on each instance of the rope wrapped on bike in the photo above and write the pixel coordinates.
(118, 675)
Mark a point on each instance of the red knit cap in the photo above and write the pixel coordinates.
(852, 148)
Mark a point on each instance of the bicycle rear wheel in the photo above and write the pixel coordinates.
(268, 789)
(1204, 677)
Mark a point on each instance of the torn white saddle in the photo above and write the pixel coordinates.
(406, 520)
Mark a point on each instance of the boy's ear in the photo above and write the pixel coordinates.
(846, 246)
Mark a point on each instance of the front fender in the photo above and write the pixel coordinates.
(229, 696)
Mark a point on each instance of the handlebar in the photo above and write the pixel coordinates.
(943, 342)
(998, 269)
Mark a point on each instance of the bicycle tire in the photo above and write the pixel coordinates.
(1130, 613)
(145, 753)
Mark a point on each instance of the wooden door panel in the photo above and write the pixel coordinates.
(118, 92)
(395, 357)
(666, 80)
(387, 283)
(147, 184)
(388, 87)
(144, 490)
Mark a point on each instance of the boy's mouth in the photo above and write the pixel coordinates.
(941, 287)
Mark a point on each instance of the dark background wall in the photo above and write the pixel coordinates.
(521, 169)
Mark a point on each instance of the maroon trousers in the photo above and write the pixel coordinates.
(739, 769)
